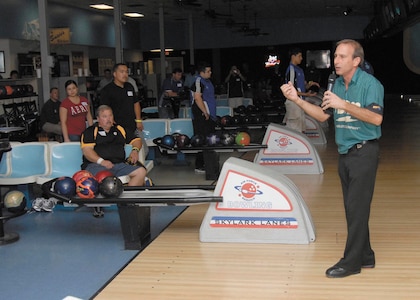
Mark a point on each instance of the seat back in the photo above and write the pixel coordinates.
(183, 126)
(29, 159)
(65, 159)
(154, 128)
(224, 111)
(5, 164)
(185, 112)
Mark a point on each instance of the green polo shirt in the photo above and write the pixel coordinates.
(364, 91)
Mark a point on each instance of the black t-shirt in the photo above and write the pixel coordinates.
(50, 112)
(108, 145)
(121, 100)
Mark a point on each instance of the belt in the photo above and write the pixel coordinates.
(361, 144)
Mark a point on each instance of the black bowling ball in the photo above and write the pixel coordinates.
(241, 109)
(226, 120)
(182, 141)
(197, 140)
(111, 187)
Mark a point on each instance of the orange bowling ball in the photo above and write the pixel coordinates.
(243, 139)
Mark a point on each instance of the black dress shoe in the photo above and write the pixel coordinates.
(339, 272)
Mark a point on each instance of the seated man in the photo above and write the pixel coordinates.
(50, 118)
(103, 147)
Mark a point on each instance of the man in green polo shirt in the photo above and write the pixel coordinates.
(357, 102)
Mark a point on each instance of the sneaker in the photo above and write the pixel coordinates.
(37, 204)
(48, 204)
(200, 170)
(148, 181)
(98, 212)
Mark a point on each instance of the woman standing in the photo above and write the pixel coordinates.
(74, 112)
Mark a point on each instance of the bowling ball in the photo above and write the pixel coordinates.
(102, 174)
(212, 139)
(3, 91)
(227, 139)
(247, 120)
(9, 90)
(197, 140)
(15, 201)
(258, 119)
(182, 141)
(20, 90)
(80, 174)
(87, 187)
(226, 120)
(250, 109)
(241, 109)
(236, 120)
(168, 140)
(111, 187)
(29, 88)
(243, 139)
(65, 186)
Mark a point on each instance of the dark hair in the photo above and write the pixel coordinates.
(294, 51)
(202, 66)
(53, 88)
(68, 82)
(114, 69)
(177, 70)
(14, 72)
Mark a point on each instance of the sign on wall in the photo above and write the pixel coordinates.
(60, 35)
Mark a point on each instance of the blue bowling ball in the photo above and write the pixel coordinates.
(168, 140)
(65, 186)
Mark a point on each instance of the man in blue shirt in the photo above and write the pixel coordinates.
(203, 109)
(357, 101)
(295, 116)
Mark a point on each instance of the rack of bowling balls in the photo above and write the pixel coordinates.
(220, 140)
(257, 115)
(16, 90)
(84, 185)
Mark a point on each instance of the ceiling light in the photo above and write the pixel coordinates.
(158, 50)
(133, 15)
(348, 11)
(101, 6)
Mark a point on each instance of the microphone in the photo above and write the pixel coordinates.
(331, 81)
(330, 85)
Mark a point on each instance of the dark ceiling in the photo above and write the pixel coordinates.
(237, 10)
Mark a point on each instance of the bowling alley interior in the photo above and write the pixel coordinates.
(266, 216)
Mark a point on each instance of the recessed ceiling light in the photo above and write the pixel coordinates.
(158, 50)
(101, 6)
(133, 15)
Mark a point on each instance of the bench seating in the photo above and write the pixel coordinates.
(38, 162)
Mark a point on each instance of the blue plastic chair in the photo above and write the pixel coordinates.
(27, 162)
(150, 109)
(154, 128)
(183, 126)
(224, 111)
(65, 159)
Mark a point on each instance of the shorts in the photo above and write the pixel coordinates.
(119, 169)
